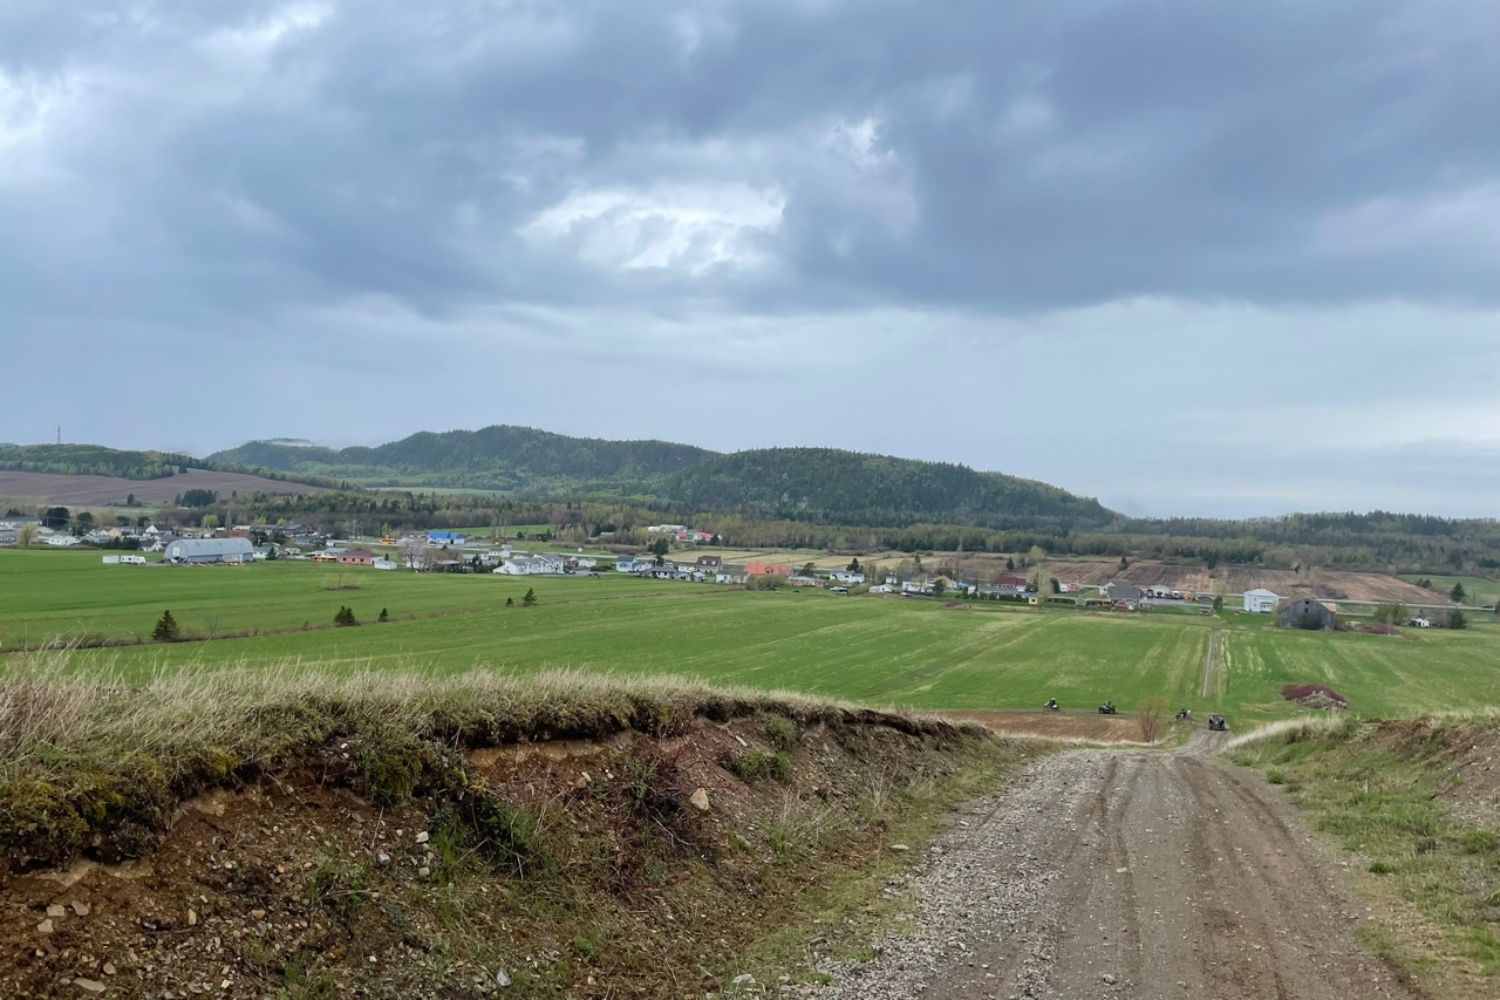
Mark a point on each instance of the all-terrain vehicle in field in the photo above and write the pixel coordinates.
(1218, 723)
(1051, 705)
(1108, 708)
(1183, 715)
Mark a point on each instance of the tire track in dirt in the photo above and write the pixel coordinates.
(1215, 655)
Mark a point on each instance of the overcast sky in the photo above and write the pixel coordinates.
(1192, 257)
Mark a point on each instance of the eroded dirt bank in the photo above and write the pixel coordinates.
(637, 865)
(1127, 874)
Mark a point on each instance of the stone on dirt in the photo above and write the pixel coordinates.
(699, 799)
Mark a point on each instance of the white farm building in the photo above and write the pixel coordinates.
(209, 550)
(1261, 601)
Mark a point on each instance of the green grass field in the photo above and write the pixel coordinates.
(1480, 591)
(886, 651)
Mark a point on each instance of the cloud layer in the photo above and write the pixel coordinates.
(987, 219)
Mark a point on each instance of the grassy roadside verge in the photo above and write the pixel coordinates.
(1401, 797)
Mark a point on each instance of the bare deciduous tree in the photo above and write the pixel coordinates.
(416, 553)
(1149, 714)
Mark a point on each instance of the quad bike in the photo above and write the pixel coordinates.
(1051, 705)
(1108, 708)
(1218, 723)
(1183, 715)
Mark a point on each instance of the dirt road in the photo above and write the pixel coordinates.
(1127, 874)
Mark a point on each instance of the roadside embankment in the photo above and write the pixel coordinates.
(290, 833)
(1417, 803)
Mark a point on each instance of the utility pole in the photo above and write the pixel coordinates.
(59, 433)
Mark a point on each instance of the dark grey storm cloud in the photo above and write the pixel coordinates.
(631, 188)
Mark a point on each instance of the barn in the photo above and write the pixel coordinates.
(1308, 613)
(203, 551)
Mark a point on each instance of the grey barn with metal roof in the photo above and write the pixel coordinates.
(209, 550)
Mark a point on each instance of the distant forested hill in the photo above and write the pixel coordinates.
(93, 460)
(513, 459)
(845, 487)
(805, 484)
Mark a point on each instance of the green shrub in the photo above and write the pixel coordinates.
(758, 765)
(783, 734)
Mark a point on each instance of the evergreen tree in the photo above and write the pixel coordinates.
(166, 628)
(529, 601)
(384, 615)
(510, 602)
(1458, 593)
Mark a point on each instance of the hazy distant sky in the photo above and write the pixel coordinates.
(1189, 257)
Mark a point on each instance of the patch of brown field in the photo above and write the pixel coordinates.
(46, 487)
(1120, 728)
(1331, 584)
(1318, 696)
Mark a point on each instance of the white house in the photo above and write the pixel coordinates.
(853, 577)
(882, 588)
(62, 541)
(1261, 601)
(531, 565)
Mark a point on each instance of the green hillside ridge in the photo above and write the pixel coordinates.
(807, 484)
(501, 457)
(94, 460)
(828, 484)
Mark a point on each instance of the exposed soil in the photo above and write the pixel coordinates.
(1469, 752)
(1318, 696)
(1053, 725)
(1330, 584)
(596, 879)
(46, 487)
(1127, 875)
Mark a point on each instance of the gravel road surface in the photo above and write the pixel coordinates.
(1126, 874)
